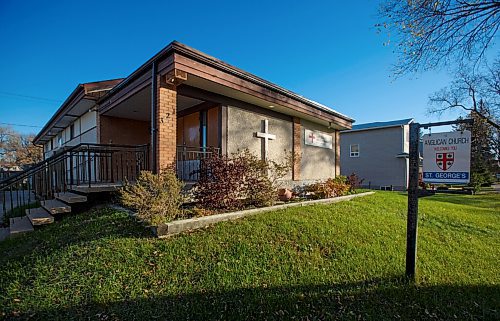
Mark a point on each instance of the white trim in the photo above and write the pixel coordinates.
(354, 154)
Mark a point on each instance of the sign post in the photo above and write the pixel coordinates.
(411, 223)
(450, 154)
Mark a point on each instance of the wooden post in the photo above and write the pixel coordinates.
(411, 227)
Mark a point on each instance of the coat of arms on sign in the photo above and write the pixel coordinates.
(444, 160)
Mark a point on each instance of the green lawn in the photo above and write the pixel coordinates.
(341, 261)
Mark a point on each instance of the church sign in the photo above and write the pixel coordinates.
(318, 139)
(447, 157)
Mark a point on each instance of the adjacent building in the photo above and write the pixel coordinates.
(378, 153)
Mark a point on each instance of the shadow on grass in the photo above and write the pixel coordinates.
(382, 300)
(72, 229)
(480, 201)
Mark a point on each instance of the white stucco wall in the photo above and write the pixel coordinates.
(242, 126)
(316, 162)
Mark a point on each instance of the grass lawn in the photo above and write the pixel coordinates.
(340, 261)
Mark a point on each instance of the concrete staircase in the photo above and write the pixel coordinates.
(42, 215)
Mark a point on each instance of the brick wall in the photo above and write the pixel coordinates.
(297, 153)
(166, 125)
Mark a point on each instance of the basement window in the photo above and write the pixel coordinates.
(354, 150)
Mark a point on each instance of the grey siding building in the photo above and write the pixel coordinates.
(378, 153)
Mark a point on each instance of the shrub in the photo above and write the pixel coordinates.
(157, 198)
(229, 183)
(354, 182)
(481, 179)
(332, 187)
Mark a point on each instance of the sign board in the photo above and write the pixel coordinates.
(318, 139)
(447, 157)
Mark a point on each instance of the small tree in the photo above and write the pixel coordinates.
(483, 157)
(17, 149)
(474, 93)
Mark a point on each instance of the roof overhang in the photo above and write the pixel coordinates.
(208, 73)
(81, 100)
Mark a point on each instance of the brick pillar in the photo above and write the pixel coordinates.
(337, 153)
(166, 125)
(297, 150)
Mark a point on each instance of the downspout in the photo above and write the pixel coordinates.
(154, 130)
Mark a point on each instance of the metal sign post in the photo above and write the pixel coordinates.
(412, 219)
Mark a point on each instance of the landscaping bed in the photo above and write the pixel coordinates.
(189, 224)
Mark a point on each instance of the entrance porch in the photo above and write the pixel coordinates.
(181, 129)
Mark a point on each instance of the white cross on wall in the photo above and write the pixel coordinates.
(266, 137)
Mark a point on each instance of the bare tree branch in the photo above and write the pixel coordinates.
(472, 93)
(440, 32)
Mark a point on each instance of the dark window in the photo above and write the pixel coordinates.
(72, 131)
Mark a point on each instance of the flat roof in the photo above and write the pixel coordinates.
(89, 90)
(177, 47)
(381, 124)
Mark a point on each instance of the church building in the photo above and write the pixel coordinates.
(181, 105)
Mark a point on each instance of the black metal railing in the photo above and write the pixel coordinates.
(6, 174)
(83, 165)
(188, 160)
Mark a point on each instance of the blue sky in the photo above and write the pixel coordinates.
(328, 51)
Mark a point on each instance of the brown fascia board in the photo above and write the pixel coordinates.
(104, 85)
(177, 47)
(80, 92)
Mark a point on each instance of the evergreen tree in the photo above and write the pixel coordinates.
(484, 157)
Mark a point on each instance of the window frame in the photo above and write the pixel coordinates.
(354, 154)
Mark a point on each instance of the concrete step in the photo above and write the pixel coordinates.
(4, 233)
(20, 225)
(39, 216)
(56, 207)
(97, 188)
(71, 198)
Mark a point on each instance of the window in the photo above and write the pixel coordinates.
(59, 140)
(72, 131)
(354, 150)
